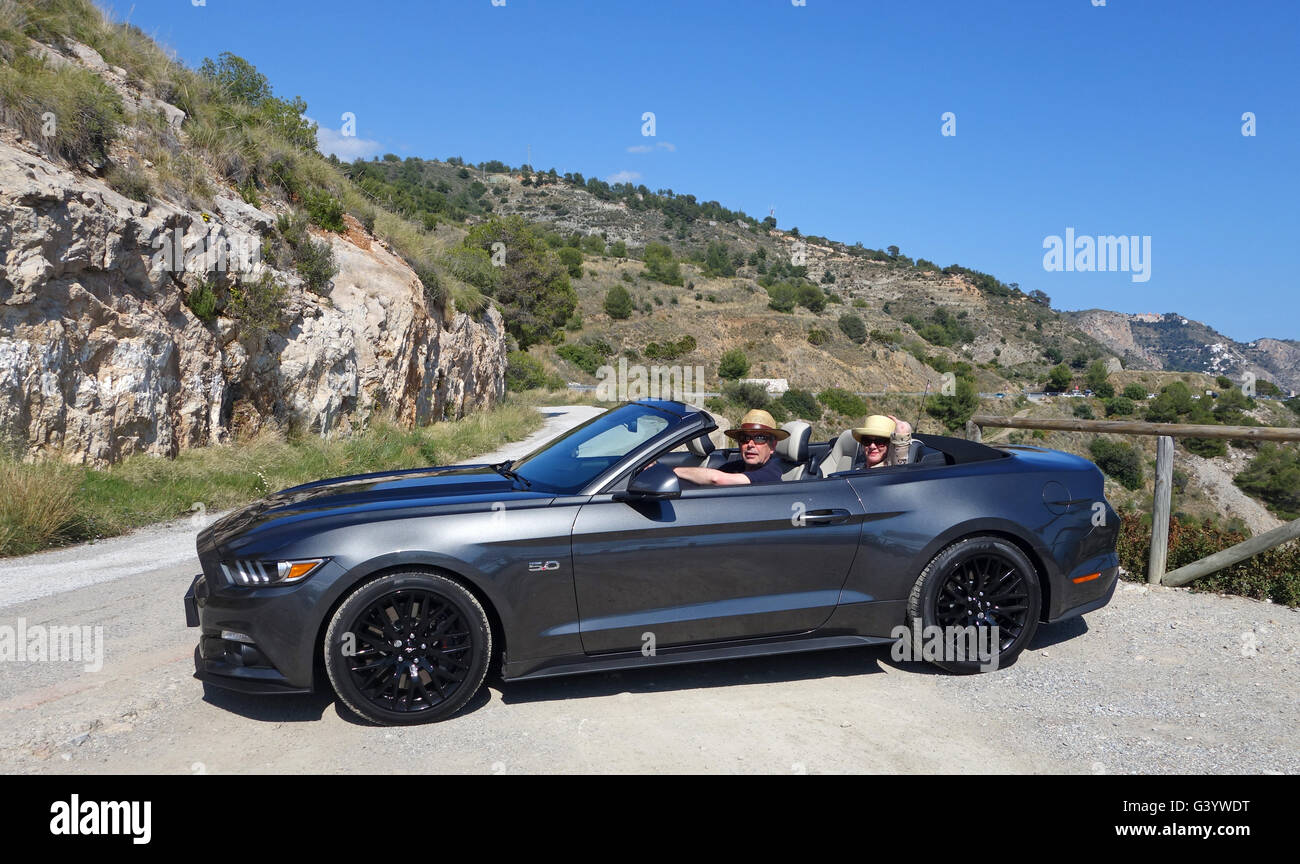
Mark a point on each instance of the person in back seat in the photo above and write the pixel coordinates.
(885, 440)
(757, 435)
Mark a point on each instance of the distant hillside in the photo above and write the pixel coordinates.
(1010, 337)
(1175, 343)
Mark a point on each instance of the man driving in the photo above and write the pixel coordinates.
(757, 435)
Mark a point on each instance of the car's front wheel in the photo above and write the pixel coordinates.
(983, 596)
(408, 648)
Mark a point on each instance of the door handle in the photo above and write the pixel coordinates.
(826, 517)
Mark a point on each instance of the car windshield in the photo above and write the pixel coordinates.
(570, 462)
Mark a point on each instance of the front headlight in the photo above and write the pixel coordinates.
(251, 573)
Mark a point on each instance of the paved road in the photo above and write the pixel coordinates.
(1160, 680)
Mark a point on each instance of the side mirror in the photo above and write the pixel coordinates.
(658, 482)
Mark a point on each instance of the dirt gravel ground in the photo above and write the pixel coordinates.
(1160, 681)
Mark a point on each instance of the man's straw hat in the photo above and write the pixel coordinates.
(756, 421)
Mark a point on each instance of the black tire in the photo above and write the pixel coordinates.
(403, 622)
(979, 581)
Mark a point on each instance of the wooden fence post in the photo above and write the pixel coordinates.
(1160, 509)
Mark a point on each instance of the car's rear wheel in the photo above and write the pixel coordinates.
(408, 648)
(986, 583)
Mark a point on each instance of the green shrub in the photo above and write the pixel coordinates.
(1267, 388)
(1207, 447)
(818, 337)
(524, 372)
(717, 260)
(314, 261)
(1083, 410)
(1271, 575)
(747, 396)
(1135, 392)
(670, 350)
(842, 402)
(851, 325)
(588, 358)
(1120, 461)
(618, 249)
(660, 264)
(953, 410)
(534, 291)
(259, 305)
(734, 364)
(942, 328)
(1118, 406)
(312, 258)
(571, 258)
(472, 266)
(202, 301)
(801, 404)
(1274, 476)
(618, 303)
(324, 210)
(131, 182)
(811, 297)
(782, 297)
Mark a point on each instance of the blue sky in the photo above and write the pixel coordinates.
(1119, 119)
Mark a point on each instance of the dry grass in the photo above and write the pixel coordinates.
(52, 504)
(40, 506)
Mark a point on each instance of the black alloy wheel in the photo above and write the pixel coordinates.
(408, 648)
(980, 582)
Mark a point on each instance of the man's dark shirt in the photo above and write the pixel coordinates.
(768, 472)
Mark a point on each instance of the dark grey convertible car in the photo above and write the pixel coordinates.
(589, 554)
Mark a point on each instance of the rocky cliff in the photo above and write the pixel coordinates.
(1175, 343)
(100, 356)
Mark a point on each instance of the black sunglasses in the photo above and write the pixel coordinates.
(760, 438)
(879, 442)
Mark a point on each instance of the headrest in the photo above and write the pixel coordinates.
(795, 448)
(701, 446)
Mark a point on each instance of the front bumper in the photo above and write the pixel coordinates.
(277, 659)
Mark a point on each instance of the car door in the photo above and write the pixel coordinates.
(718, 563)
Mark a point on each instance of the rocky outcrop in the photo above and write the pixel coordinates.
(1172, 342)
(100, 357)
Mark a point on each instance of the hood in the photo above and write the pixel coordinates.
(458, 487)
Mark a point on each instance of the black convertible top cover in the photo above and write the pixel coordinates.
(960, 450)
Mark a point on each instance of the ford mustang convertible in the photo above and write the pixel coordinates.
(401, 588)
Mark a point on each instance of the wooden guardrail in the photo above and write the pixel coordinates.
(1165, 434)
(1134, 427)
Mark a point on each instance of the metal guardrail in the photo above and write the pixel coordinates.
(1165, 434)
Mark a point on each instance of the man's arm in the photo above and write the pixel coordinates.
(711, 477)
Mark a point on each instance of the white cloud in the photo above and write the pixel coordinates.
(623, 177)
(648, 148)
(346, 147)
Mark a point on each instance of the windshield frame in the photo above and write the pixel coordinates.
(583, 485)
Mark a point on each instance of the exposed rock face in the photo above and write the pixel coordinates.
(100, 357)
(1172, 342)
